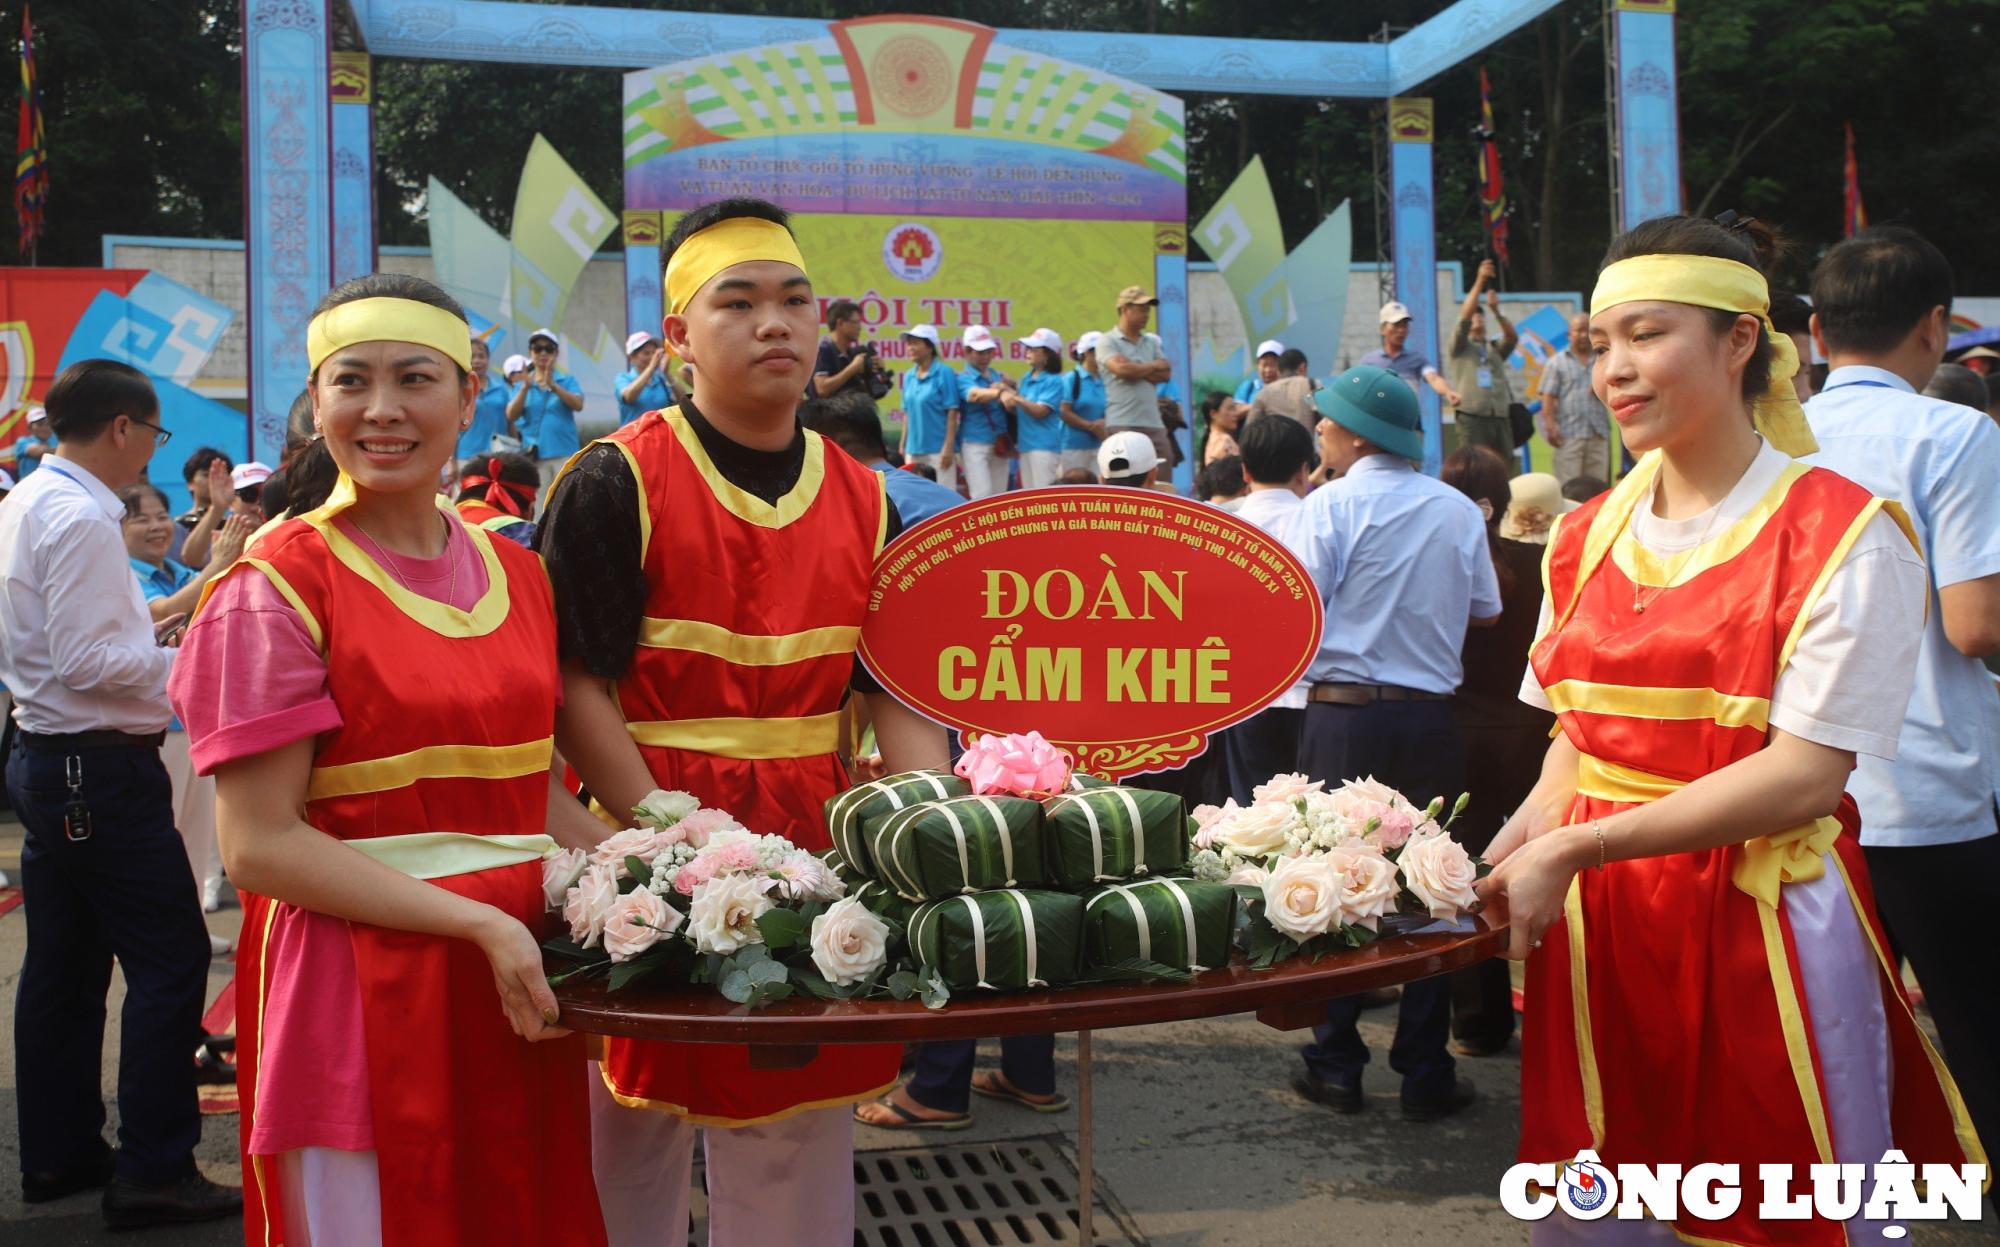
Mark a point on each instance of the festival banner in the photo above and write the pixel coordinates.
(935, 175)
(1125, 625)
(1316, 271)
(1242, 236)
(470, 258)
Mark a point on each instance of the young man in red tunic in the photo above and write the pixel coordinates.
(711, 566)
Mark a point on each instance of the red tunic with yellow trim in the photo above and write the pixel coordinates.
(448, 722)
(1667, 1018)
(752, 617)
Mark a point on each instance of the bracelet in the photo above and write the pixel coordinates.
(1597, 825)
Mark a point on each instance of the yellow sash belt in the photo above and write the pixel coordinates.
(1768, 862)
(439, 854)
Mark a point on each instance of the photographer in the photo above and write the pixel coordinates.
(542, 411)
(846, 362)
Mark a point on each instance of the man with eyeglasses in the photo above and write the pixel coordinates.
(103, 871)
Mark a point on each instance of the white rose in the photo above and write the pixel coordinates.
(849, 942)
(1291, 787)
(640, 842)
(1302, 897)
(560, 871)
(723, 915)
(590, 903)
(637, 922)
(664, 809)
(1440, 872)
(1258, 831)
(1249, 876)
(1372, 789)
(1368, 886)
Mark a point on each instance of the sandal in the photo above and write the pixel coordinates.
(1000, 1089)
(911, 1121)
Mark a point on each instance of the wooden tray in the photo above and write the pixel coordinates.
(1288, 996)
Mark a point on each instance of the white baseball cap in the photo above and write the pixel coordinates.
(1270, 346)
(1044, 337)
(1129, 453)
(244, 475)
(1088, 342)
(926, 332)
(514, 364)
(37, 414)
(979, 338)
(1393, 311)
(544, 332)
(638, 338)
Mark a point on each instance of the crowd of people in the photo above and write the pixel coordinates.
(1723, 720)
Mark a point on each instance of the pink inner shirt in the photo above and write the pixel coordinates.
(249, 680)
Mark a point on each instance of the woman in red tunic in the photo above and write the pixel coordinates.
(374, 687)
(1722, 633)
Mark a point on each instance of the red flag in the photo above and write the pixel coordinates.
(1492, 190)
(1857, 212)
(31, 164)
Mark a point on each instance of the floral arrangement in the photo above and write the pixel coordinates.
(691, 890)
(1319, 871)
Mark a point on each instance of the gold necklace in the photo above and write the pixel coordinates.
(451, 592)
(1679, 565)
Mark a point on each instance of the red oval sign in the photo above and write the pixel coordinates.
(1125, 625)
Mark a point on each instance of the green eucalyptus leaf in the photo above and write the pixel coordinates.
(781, 928)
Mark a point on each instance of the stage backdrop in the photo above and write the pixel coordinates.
(937, 176)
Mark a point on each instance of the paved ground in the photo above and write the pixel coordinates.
(1197, 1137)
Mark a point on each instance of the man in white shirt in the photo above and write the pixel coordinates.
(1278, 459)
(1881, 314)
(103, 871)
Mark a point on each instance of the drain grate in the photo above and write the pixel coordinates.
(1009, 1193)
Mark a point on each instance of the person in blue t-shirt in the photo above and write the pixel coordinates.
(29, 448)
(1268, 370)
(1037, 410)
(489, 413)
(985, 422)
(543, 409)
(931, 405)
(642, 387)
(1082, 410)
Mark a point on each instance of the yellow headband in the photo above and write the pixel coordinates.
(388, 320)
(734, 241)
(1710, 281)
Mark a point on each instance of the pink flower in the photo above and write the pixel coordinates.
(637, 922)
(736, 855)
(693, 875)
(1288, 787)
(640, 842)
(703, 823)
(1393, 824)
(589, 903)
(1021, 766)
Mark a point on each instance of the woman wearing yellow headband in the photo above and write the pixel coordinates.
(374, 688)
(711, 565)
(1723, 632)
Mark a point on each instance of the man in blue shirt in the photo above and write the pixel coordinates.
(1411, 366)
(542, 412)
(489, 412)
(1268, 352)
(642, 387)
(1082, 409)
(1401, 564)
(1881, 314)
(985, 420)
(931, 403)
(850, 421)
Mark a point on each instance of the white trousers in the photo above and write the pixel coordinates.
(194, 813)
(789, 1181)
(1074, 459)
(985, 472)
(947, 477)
(331, 1198)
(1039, 468)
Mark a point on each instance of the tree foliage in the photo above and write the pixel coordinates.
(145, 119)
